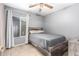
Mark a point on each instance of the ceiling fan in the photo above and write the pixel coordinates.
(41, 5)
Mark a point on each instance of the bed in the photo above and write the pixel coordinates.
(45, 42)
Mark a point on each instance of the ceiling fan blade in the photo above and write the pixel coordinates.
(48, 6)
(33, 5)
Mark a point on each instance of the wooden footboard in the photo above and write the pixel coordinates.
(57, 50)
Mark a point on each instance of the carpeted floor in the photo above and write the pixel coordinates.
(24, 50)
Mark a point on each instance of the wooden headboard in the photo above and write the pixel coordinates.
(35, 28)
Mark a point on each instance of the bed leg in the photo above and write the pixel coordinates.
(49, 54)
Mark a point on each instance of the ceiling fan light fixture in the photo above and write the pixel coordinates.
(41, 6)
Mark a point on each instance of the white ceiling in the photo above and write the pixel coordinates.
(25, 6)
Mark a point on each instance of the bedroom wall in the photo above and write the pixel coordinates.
(64, 22)
(2, 25)
(35, 21)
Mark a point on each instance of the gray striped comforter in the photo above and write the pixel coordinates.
(46, 40)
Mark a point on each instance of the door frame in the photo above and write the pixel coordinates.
(20, 18)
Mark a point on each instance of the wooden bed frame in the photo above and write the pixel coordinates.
(57, 50)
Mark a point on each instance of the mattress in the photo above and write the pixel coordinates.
(46, 40)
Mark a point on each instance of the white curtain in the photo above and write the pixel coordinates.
(9, 40)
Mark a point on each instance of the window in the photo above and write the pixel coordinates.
(19, 26)
(23, 28)
(16, 26)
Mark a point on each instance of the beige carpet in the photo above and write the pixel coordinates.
(23, 50)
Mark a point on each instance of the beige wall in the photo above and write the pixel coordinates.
(2, 25)
(35, 21)
(64, 22)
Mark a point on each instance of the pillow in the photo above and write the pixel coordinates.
(36, 31)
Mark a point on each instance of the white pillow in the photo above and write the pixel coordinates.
(36, 31)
